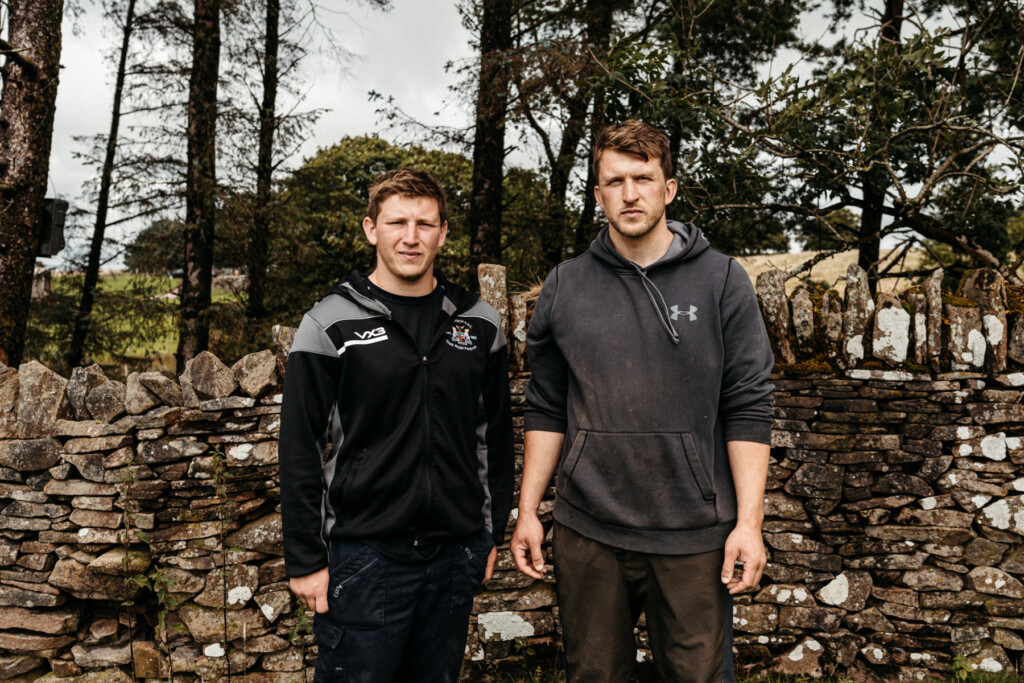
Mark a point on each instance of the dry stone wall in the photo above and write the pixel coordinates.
(140, 529)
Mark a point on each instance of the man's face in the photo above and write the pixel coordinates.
(407, 233)
(633, 193)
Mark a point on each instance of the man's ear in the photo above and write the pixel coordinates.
(444, 233)
(371, 230)
(670, 190)
(597, 195)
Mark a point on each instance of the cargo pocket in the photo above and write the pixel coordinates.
(330, 663)
(355, 594)
(639, 480)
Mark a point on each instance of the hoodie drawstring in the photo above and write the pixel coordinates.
(662, 310)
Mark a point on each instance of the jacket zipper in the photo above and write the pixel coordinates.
(425, 362)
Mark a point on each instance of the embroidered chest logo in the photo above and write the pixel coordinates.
(378, 334)
(371, 334)
(460, 337)
(692, 313)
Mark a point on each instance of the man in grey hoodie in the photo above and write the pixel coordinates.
(649, 393)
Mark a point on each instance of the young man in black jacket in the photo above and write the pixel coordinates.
(649, 392)
(388, 538)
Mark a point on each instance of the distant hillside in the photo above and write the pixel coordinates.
(831, 271)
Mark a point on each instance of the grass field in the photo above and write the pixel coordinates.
(831, 271)
(147, 337)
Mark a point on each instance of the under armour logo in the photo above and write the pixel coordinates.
(692, 313)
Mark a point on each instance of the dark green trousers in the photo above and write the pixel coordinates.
(601, 593)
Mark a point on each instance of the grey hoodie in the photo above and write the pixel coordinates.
(648, 372)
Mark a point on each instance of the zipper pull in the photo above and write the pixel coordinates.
(424, 360)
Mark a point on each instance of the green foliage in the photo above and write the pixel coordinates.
(959, 671)
(128, 321)
(833, 232)
(159, 248)
(921, 132)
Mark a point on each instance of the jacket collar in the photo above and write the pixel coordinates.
(456, 299)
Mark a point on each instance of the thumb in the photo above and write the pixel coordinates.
(538, 558)
(729, 564)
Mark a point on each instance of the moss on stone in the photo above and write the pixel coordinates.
(963, 281)
(812, 366)
(956, 300)
(914, 289)
(911, 366)
(1014, 298)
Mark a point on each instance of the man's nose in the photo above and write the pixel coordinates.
(410, 234)
(629, 191)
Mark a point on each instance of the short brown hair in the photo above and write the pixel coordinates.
(407, 182)
(636, 139)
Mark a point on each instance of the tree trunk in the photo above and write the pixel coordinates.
(256, 255)
(599, 34)
(485, 209)
(200, 183)
(92, 268)
(875, 183)
(585, 227)
(873, 188)
(558, 180)
(27, 103)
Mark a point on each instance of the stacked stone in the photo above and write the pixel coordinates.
(894, 515)
(139, 523)
(894, 509)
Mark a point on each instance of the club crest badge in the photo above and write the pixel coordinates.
(461, 337)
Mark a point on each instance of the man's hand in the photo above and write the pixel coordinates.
(744, 544)
(311, 589)
(525, 545)
(489, 571)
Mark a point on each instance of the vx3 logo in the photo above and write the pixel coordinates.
(692, 313)
(371, 333)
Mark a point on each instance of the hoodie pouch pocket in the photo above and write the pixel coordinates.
(640, 480)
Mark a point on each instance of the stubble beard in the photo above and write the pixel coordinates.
(394, 267)
(635, 232)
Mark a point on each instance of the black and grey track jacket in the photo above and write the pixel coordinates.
(420, 444)
(649, 372)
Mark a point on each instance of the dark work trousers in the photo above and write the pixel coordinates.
(390, 622)
(601, 592)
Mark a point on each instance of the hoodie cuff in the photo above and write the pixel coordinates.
(748, 430)
(535, 421)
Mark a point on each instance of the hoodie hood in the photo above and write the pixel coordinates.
(687, 242)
